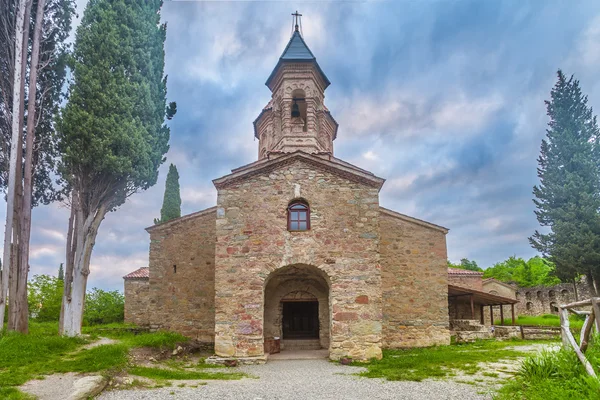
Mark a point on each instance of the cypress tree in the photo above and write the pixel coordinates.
(61, 273)
(112, 132)
(568, 197)
(171, 207)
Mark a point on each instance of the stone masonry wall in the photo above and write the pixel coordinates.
(137, 301)
(468, 281)
(415, 284)
(182, 283)
(343, 243)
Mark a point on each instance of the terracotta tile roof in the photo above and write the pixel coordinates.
(457, 271)
(142, 273)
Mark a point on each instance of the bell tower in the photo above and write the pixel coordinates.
(296, 117)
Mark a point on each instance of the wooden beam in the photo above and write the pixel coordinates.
(512, 310)
(492, 314)
(585, 332)
(501, 315)
(472, 308)
(577, 304)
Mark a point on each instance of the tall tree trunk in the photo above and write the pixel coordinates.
(68, 273)
(84, 238)
(20, 47)
(575, 289)
(25, 232)
(589, 277)
(13, 299)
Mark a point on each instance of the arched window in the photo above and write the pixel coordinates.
(298, 216)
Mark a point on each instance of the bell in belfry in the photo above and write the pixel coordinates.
(295, 110)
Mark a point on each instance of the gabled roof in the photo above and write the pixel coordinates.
(413, 220)
(330, 164)
(297, 51)
(142, 273)
(494, 280)
(479, 297)
(183, 218)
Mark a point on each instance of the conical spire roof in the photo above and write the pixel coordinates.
(297, 51)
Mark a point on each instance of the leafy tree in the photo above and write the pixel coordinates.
(536, 271)
(465, 263)
(102, 307)
(112, 135)
(568, 197)
(171, 207)
(44, 297)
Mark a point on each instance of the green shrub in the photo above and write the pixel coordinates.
(44, 297)
(102, 307)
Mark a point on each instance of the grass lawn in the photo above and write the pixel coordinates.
(544, 320)
(43, 352)
(439, 361)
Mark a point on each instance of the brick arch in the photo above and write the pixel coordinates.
(299, 281)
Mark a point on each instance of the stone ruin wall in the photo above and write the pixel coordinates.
(540, 300)
(137, 301)
(414, 284)
(182, 275)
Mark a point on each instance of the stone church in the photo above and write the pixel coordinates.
(297, 247)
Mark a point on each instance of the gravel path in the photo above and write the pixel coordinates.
(306, 380)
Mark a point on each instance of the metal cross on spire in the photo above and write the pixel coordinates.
(297, 21)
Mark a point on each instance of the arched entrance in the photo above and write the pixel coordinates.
(296, 307)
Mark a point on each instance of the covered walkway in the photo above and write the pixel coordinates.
(467, 303)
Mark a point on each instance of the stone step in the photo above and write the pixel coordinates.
(301, 344)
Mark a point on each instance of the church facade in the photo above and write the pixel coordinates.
(297, 247)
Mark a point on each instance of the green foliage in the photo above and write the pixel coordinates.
(536, 271)
(171, 207)
(568, 197)
(44, 297)
(102, 307)
(465, 263)
(555, 375)
(439, 361)
(112, 132)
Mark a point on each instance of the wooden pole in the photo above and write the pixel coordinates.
(596, 312)
(501, 315)
(492, 314)
(569, 340)
(585, 332)
(481, 316)
(512, 310)
(472, 308)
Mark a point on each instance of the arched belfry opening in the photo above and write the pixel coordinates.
(296, 308)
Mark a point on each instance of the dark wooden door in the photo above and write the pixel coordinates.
(301, 320)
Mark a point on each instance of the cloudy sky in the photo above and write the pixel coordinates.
(444, 99)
